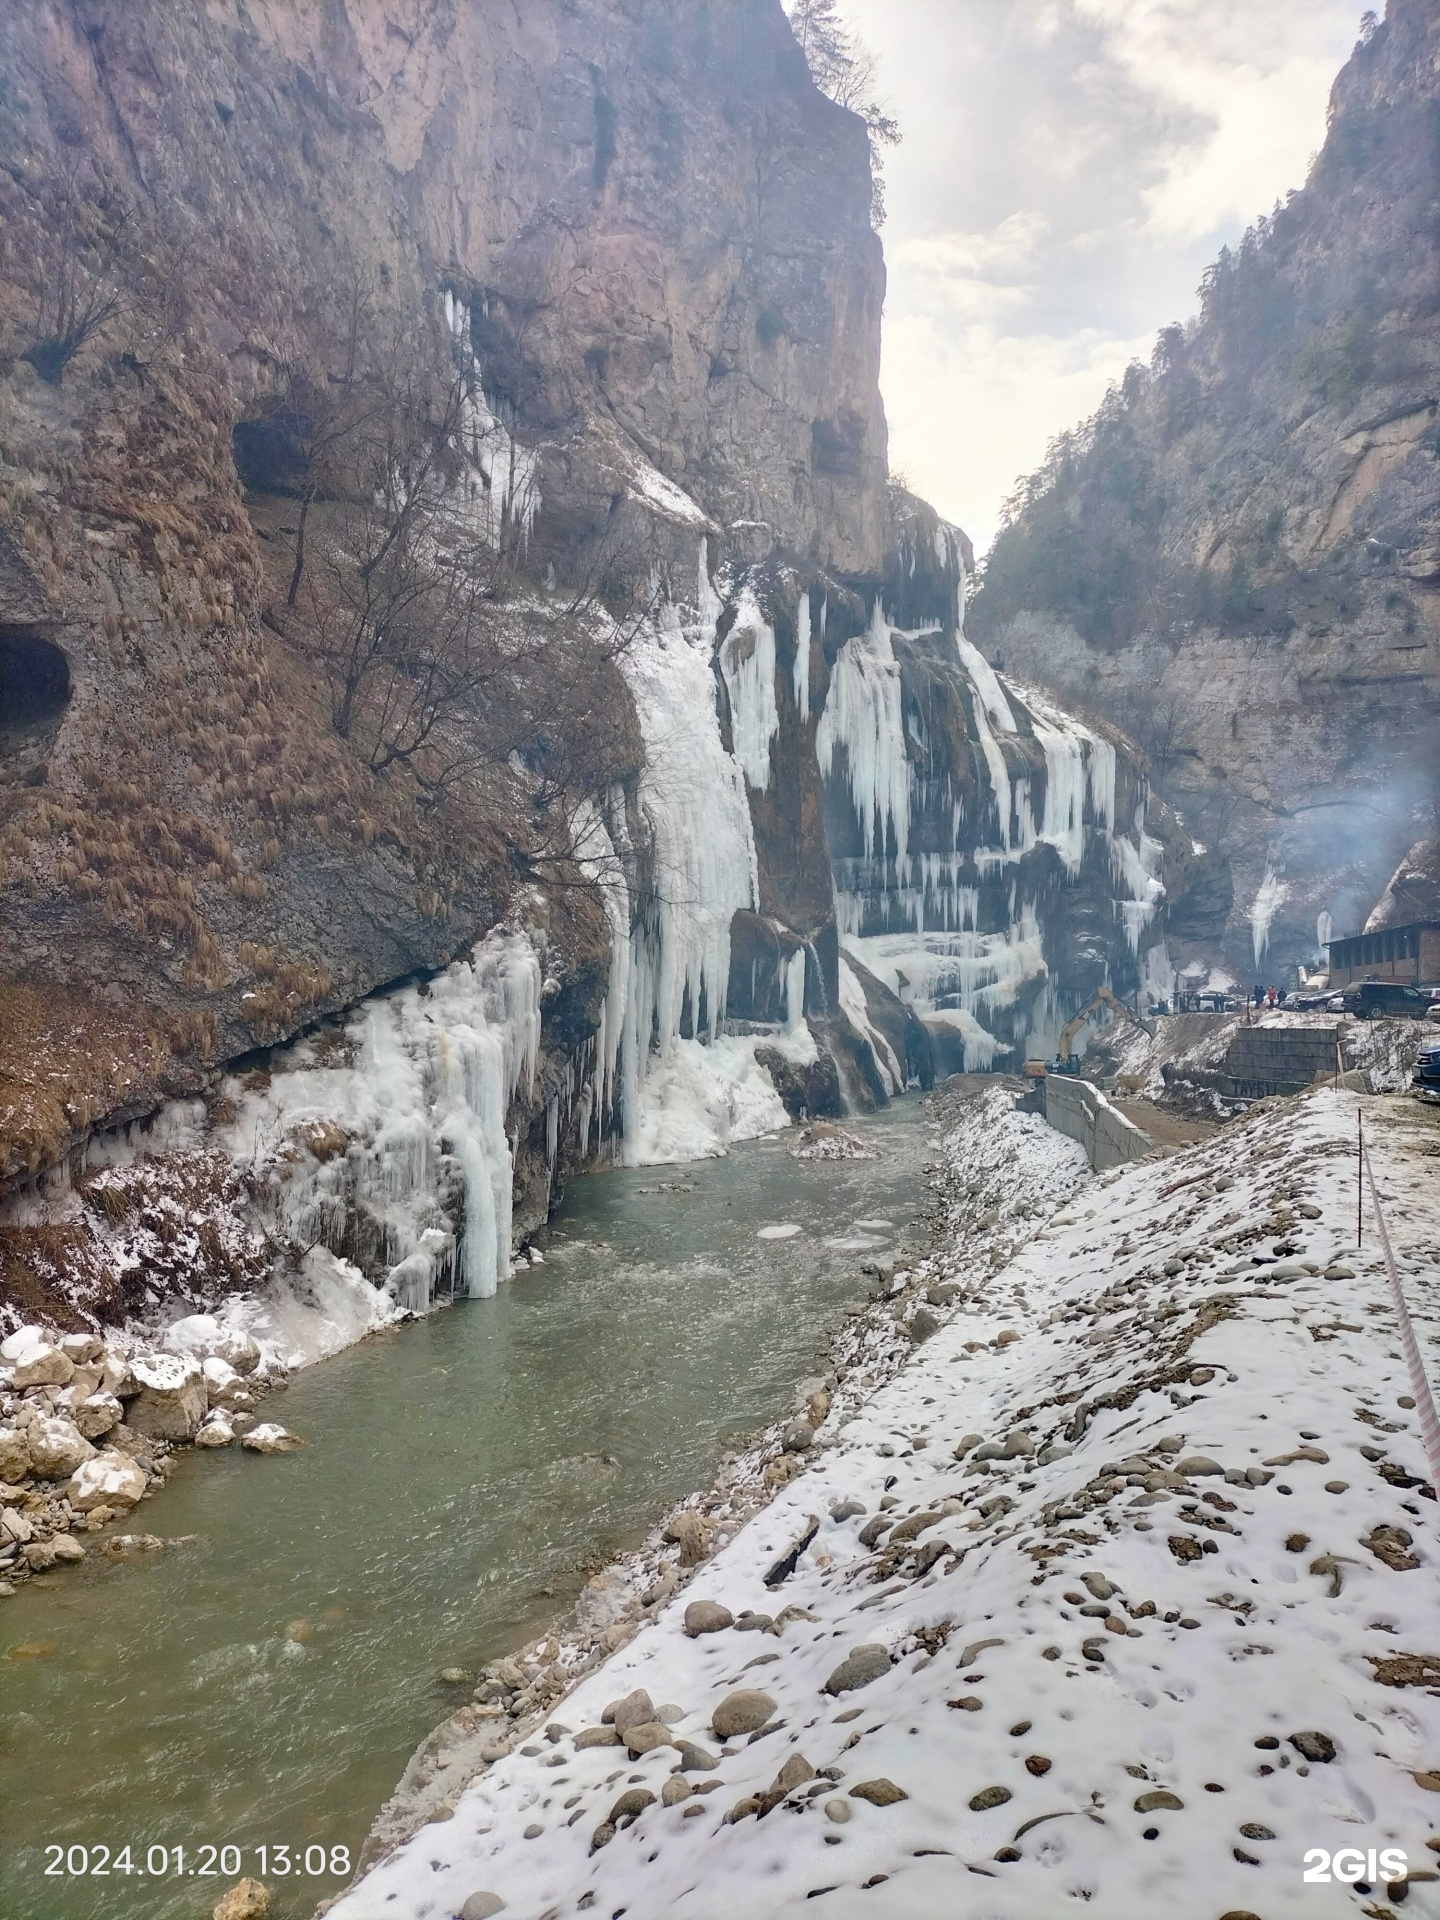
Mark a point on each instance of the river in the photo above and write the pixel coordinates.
(264, 1684)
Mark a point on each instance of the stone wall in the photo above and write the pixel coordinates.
(1076, 1108)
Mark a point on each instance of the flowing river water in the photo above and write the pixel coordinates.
(264, 1684)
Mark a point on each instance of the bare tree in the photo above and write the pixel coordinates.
(75, 293)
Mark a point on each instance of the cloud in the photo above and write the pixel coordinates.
(1068, 169)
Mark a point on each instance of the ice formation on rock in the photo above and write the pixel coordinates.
(403, 1146)
(747, 662)
(924, 919)
(801, 676)
(501, 481)
(863, 715)
(665, 1083)
(1269, 898)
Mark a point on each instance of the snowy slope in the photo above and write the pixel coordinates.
(1167, 1348)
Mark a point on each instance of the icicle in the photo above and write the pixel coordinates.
(435, 1072)
(795, 991)
(747, 664)
(802, 656)
(863, 714)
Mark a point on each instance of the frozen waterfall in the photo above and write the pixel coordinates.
(387, 1142)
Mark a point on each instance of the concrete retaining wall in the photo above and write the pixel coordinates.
(1074, 1107)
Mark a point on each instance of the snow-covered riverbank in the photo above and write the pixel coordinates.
(1116, 1593)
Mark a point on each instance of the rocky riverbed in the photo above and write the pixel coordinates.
(88, 1425)
(1102, 1596)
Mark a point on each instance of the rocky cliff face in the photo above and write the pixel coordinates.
(1239, 557)
(443, 480)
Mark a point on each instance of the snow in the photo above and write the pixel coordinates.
(654, 489)
(1104, 1387)
(747, 664)
(699, 1101)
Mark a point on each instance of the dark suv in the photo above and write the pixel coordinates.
(1371, 999)
(1427, 1069)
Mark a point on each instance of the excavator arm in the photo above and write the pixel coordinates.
(1102, 997)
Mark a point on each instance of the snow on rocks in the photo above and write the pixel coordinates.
(270, 1437)
(110, 1479)
(197, 1382)
(35, 1359)
(1101, 1671)
(171, 1401)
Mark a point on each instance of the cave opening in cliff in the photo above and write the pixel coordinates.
(272, 453)
(34, 684)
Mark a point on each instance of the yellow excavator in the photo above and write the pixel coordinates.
(1067, 1062)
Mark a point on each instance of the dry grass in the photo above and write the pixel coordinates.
(175, 1229)
(66, 1063)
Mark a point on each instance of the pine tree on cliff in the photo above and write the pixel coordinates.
(843, 68)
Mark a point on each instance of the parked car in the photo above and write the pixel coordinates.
(1426, 1078)
(1371, 999)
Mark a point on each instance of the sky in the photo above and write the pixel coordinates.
(1067, 170)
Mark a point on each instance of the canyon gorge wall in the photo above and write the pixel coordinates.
(1238, 558)
(444, 522)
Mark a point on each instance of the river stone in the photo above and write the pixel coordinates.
(838, 1810)
(707, 1616)
(270, 1437)
(1197, 1464)
(963, 1447)
(636, 1709)
(1098, 1585)
(646, 1737)
(1312, 1745)
(97, 1414)
(885, 1793)
(216, 1432)
(633, 1801)
(202, 1337)
(481, 1905)
(859, 1667)
(914, 1526)
(246, 1900)
(171, 1402)
(15, 1527)
(796, 1770)
(81, 1347)
(57, 1447)
(14, 1456)
(41, 1555)
(695, 1759)
(36, 1359)
(597, 1737)
(1158, 1801)
(924, 1324)
(798, 1436)
(602, 1836)
(111, 1479)
(675, 1789)
(986, 1798)
(873, 1528)
(744, 1711)
(754, 1622)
